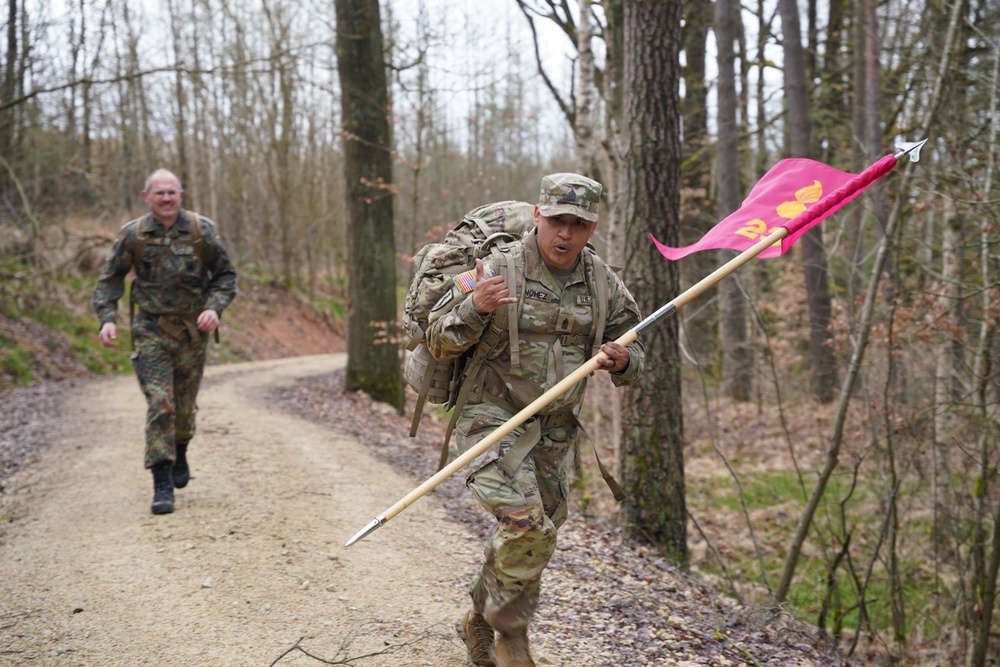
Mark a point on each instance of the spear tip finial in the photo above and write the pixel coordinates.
(911, 148)
(371, 527)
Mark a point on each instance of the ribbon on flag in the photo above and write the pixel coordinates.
(797, 194)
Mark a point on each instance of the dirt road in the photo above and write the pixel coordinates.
(250, 570)
(250, 564)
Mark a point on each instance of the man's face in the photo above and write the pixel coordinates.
(562, 238)
(164, 198)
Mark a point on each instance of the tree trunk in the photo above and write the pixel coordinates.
(8, 90)
(824, 365)
(737, 353)
(701, 326)
(652, 454)
(373, 361)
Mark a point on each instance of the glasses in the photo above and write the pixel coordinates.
(163, 194)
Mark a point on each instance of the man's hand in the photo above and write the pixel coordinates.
(208, 321)
(108, 334)
(490, 293)
(616, 359)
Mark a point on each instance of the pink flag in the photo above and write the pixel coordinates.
(783, 197)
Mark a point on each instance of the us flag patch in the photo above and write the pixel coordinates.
(466, 281)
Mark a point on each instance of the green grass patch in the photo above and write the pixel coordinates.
(775, 502)
(15, 364)
(81, 336)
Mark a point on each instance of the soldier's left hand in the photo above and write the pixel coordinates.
(616, 359)
(208, 321)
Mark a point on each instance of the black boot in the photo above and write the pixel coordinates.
(182, 474)
(163, 489)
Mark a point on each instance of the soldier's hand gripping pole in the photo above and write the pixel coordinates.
(819, 210)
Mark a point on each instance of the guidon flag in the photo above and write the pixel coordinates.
(780, 198)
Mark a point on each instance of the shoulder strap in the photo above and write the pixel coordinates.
(140, 243)
(513, 310)
(600, 278)
(197, 236)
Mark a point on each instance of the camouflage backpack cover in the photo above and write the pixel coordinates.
(486, 230)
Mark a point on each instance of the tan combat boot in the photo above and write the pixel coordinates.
(478, 637)
(512, 650)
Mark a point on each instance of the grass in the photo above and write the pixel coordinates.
(775, 501)
(81, 336)
(15, 364)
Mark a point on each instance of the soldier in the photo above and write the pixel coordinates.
(183, 282)
(523, 480)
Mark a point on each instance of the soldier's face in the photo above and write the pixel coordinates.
(562, 238)
(164, 199)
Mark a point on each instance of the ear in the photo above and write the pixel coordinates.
(537, 216)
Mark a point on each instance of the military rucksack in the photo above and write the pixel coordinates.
(443, 269)
(486, 230)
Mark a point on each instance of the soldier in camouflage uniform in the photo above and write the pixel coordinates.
(184, 280)
(523, 480)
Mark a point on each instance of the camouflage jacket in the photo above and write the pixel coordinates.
(170, 278)
(554, 325)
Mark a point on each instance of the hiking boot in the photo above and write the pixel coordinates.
(182, 474)
(478, 637)
(512, 650)
(163, 489)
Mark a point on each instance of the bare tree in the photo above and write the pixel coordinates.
(737, 353)
(373, 361)
(824, 363)
(652, 456)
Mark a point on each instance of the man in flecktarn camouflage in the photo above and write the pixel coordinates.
(183, 282)
(571, 305)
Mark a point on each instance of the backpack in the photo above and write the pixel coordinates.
(489, 230)
(486, 230)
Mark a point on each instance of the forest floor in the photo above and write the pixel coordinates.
(251, 570)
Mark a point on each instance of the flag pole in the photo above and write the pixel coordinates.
(861, 181)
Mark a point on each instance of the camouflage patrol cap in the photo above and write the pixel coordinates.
(569, 194)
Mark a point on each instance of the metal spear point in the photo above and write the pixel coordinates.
(861, 181)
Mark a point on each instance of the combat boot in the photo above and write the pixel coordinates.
(182, 474)
(478, 637)
(512, 650)
(163, 489)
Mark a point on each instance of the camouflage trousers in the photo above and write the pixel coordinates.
(169, 368)
(529, 506)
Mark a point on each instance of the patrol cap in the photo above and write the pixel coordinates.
(569, 194)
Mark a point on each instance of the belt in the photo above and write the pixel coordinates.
(175, 326)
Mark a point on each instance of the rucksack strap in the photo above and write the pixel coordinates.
(481, 224)
(196, 236)
(600, 279)
(512, 312)
(464, 389)
(425, 386)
